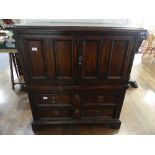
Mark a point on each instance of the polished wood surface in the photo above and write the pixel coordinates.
(67, 61)
(137, 113)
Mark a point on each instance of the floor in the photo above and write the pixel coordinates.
(138, 112)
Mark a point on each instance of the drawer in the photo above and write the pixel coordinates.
(92, 98)
(53, 99)
(97, 112)
(55, 113)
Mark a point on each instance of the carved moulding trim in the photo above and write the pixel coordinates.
(142, 36)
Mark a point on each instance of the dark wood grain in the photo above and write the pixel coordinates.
(90, 53)
(82, 71)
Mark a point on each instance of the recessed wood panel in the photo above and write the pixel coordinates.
(104, 58)
(91, 51)
(117, 58)
(36, 59)
(64, 58)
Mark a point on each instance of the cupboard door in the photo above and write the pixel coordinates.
(104, 59)
(51, 59)
(63, 61)
(36, 58)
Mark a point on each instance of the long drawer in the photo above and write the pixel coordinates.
(55, 113)
(53, 99)
(98, 111)
(76, 104)
(93, 98)
(75, 113)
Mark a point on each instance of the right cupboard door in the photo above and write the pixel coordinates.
(104, 59)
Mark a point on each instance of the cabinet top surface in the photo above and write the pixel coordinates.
(76, 26)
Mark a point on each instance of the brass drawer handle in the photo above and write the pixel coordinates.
(97, 112)
(77, 96)
(100, 98)
(53, 101)
(56, 112)
(76, 111)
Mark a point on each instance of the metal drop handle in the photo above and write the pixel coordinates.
(53, 100)
(80, 59)
(100, 98)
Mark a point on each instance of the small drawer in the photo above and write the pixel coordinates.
(103, 112)
(98, 98)
(53, 99)
(55, 113)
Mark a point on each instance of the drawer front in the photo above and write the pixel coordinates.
(97, 112)
(55, 113)
(57, 105)
(53, 99)
(62, 104)
(99, 98)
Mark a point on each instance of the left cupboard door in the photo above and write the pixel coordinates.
(50, 59)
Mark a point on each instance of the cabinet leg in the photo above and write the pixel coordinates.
(116, 125)
(11, 71)
(36, 127)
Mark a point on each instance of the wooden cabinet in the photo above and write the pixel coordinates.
(77, 75)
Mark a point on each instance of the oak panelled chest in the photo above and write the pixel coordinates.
(74, 74)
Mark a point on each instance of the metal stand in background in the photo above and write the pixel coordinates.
(14, 62)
